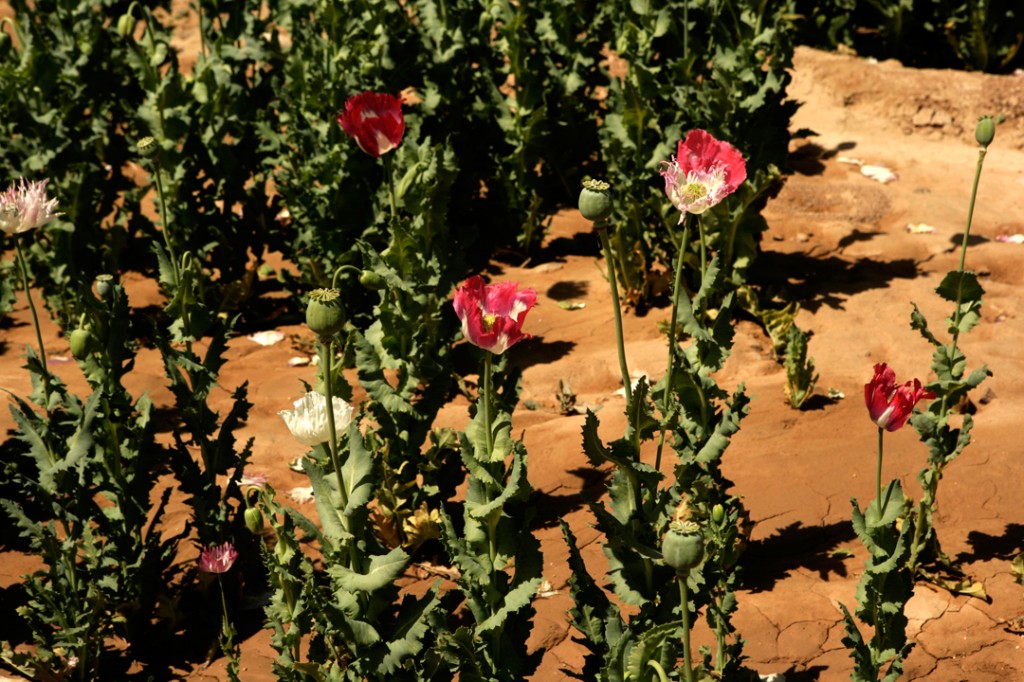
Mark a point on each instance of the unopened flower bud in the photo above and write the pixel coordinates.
(147, 146)
(82, 342)
(283, 550)
(682, 547)
(718, 514)
(253, 520)
(595, 200)
(371, 280)
(324, 314)
(126, 25)
(985, 131)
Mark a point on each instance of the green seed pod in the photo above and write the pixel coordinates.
(324, 314)
(254, 520)
(372, 281)
(595, 200)
(103, 285)
(682, 547)
(82, 343)
(985, 131)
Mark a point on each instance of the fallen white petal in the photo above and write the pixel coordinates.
(301, 494)
(267, 338)
(850, 160)
(1010, 238)
(298, 361)
(919, 228)
(879, 173)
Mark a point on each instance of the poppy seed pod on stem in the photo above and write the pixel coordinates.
(682, 547)
(985, 131)
(324, 313)
(595, 200)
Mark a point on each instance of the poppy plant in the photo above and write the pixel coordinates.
(890, 405)
(492, 315)
(374, 120)
(702, 173)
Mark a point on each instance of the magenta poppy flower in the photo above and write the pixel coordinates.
(374, 120)
(218, 558)
(702, 173)
(890, 405)
(492, 314)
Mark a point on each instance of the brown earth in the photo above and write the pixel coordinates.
(839, 243)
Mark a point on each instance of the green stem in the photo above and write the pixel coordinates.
(658, 670)
(878, 472)
(326, 366)
(326, 347)
(389, 171)
(486, 393)
(35, 317)
(606, 246)
(157, 175)
(339, 270)
(963, 256)
(228, 643)
(684, 609)
(668, 404)
(703, 252)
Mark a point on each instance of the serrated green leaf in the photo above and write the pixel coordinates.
(383, 570)
(518, 598)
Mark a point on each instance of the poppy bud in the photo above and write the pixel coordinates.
(682, 547)
(985, 131)
(253, 520)
(324, 314)
(82, 342)
(371, 280)
(126, 25)
(595, 200)
(718, 514)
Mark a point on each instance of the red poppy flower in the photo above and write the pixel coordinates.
(492, 314)
(374, 120)
(702, 173)
(890, 405)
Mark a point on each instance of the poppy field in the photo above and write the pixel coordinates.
(382, 188)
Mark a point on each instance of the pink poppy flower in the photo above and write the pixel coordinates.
(890, 405)
(25, 207)
(374, 120)
(492, 314)
(218, 558)
(702, 173)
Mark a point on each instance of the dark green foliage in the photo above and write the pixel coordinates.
(982, 35)
(883, 591)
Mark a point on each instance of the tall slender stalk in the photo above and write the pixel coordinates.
(684, 609)
(23, 266)
(602, 232)
(963, 253)
(668, 405)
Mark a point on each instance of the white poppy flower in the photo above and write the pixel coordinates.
(308, 420)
